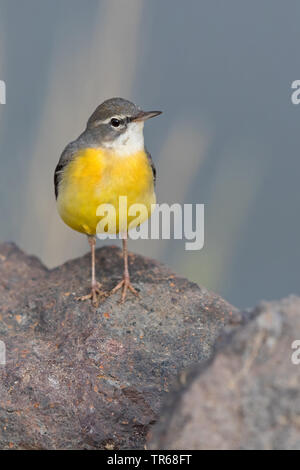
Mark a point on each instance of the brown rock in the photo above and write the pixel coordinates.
(248, 396)
(80, 378)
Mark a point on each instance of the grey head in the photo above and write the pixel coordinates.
(118, 124)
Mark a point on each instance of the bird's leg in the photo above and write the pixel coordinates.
(125, 284)
(96, 292)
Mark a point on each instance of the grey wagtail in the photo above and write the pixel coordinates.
(106, 161)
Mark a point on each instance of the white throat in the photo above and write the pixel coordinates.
(130, 142)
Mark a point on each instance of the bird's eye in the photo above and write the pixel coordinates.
(115, 122)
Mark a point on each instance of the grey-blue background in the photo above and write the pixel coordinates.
(229, 135)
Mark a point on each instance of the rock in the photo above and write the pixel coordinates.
(247, 396)
(83, 378)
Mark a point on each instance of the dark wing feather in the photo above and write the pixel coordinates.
(152, 166)
(65, 159)
(57, 176)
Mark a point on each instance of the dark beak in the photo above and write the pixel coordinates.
(144, 115)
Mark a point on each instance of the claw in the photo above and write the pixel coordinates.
(95, 295)
(125, 284)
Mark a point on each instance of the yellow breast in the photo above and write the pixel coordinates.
(98, 176)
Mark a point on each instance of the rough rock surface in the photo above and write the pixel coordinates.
(247, 396)
(80, 378)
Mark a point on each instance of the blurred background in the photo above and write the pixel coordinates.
(228, 138)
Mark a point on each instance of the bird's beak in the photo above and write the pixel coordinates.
(144, 115)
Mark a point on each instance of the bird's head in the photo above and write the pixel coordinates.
(117, 124)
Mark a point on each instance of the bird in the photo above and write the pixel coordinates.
(107, 161)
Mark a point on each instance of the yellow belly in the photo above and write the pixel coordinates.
(97, 176)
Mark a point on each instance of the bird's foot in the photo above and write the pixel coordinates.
(125, 284)
(95, 295)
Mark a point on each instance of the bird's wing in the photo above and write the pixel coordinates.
(152, 165)
(65, 159)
